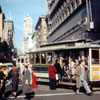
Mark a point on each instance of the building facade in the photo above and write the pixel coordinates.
(27, 33)
(34, 41)
(73, 19)
(2, 17)
(7, 43)
(8, 33)
(41, 31)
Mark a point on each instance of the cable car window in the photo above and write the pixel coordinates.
(37, 58)
(32, 59)
(49, 58)
(43, 58)
(95, 56)
(22, 60)
(18, 60)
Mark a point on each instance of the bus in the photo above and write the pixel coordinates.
(41, 57)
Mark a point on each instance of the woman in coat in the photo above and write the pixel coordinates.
(14, 77)
(26, 82)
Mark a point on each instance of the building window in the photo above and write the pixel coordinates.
(78, 2)
(73, 5)
(64, 4)
(71, 8)
(68, 11)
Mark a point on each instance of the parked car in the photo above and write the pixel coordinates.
(5, 68)
(9, 65)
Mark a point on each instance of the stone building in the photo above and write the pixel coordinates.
(2, 17)
(41, 31)
(34, 41)
(73, 19)
(8, 33)
(27, 34)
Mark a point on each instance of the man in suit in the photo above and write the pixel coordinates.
(81, 78)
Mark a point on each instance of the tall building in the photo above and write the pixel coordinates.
(27, 33)
(73, 19)
(2, 17)
(34, 40)
(41, 31)
(8, 33)
(7, 36)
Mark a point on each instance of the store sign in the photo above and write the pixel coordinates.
(96, 73)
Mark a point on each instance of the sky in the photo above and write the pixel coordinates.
(20, 9)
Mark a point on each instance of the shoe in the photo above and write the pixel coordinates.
(57, 84)
(15, 96)
(90, 93)
(77, 93)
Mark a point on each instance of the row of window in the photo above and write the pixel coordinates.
(41, 58)
(63, 12)
(46, 58)
(21, 60)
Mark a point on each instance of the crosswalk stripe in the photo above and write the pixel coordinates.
(46, 95)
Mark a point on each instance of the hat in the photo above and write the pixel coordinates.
(14, 67)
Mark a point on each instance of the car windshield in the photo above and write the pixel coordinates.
(3, 67)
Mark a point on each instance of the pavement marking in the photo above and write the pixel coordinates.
(43, 95)
(7, 83)
(47, 95)
(20, 85)
(59, 94)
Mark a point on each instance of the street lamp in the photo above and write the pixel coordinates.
(89, 15)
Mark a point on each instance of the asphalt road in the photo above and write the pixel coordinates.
(64, 92)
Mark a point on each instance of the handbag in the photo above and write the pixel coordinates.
(56, 76)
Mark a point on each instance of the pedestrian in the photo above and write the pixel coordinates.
(34, 78)
(14, 78)
(81, 78)
(30, 70)
(2, 82)
(21, 70)
(83, 58)
(26, 83)
(72, 68)
(59, 72)
(52, 76)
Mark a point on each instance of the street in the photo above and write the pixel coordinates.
(42, 92)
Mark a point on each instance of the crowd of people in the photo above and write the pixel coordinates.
(16, 75)
(76, 69)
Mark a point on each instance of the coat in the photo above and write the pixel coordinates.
(26, 78)
(52, 72)
(34, 78)
(14, 75)
(77, 75)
